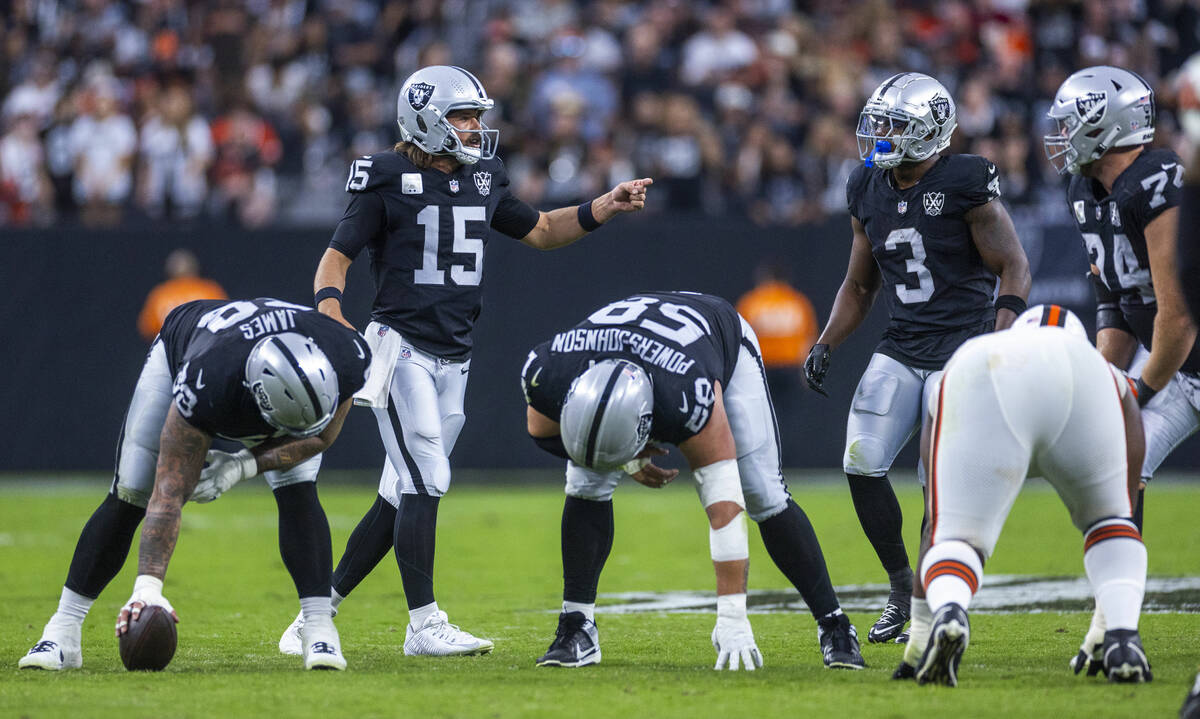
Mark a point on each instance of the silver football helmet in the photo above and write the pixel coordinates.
(909, 118)
(427, 96)
(293, 383)
(1095, 110)
(606, 416)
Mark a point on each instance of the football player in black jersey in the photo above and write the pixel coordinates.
(276, 377)
(681, 368)
(929, 230)
(425, 211)
(1125, 198)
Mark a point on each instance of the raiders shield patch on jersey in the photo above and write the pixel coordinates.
(1092, 106)
(483, 183)
(939, 107)
(933, 203)
(419, 94)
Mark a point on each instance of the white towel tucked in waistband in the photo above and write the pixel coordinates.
(385, 345)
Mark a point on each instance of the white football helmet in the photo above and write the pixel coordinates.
(1095, 110)
(293, 383)
(909, 118)
(1050, 316)
(606, 416)
(427, 96)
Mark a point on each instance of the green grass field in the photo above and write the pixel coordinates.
(498, 574)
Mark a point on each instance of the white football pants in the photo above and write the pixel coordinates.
(885, 414)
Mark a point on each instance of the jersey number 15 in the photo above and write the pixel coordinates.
(428, 273)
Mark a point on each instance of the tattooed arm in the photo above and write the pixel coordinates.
(287, 452)
(996, 239)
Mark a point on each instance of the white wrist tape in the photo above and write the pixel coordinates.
(731, 605)
(730, 543)
(249, 465)
(147, 582)
(634, 466)
(719, 482)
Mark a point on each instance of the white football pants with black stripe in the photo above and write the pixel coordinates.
(755, 436)
(137, 447)
(1169, 418)
(421, 424)
(885, 414)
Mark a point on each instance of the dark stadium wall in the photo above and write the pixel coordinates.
(72, 352)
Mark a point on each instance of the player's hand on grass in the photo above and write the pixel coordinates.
(815, 368)
(223, 471)
(648, 473)
(734, 641)
(147, 591)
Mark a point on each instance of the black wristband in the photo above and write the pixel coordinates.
(586, 219)
(325, 293)
(554, 445)
(1011, 302)
(1145, 392)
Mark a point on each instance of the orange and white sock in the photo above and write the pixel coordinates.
(951, 572)
(1115, 559)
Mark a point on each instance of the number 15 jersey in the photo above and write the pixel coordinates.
(939, 292)
(426, 232)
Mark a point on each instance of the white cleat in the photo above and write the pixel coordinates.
(292, 641)
(55, 651)
(437, 637)
(323, 648)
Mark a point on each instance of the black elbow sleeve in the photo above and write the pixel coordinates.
(554, 445)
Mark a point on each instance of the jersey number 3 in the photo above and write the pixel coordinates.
(428, 273)
(916, 266)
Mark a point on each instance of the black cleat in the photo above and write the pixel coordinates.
(1124, 659)
(948, 638)
(904, 671)
(1191, 705)
(576, 643)
(891, 623)
(839, 643)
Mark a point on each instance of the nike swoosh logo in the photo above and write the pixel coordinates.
(684, 408)
(465, 370)
(1168, 165)
(358, 347)
(200, 379)
(533, 381)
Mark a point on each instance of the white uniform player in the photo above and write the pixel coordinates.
(1037, 400)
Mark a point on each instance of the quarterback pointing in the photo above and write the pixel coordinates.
(929, 230)
(1125, 199)
(276, 377)
(425, 211)
(682, 368)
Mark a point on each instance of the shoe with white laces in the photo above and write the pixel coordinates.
(322, 647)
(839, 643)
(292, 641)
(58, 649)
(890, 624)
(437, 637)
(576, 642)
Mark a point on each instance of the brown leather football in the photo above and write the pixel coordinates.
(150, 642)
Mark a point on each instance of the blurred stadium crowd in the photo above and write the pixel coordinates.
(248, 111)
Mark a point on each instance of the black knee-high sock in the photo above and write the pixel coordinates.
(793, 546)
(1137, 511)
(879, 513)
(369, 543)
(103, 546)
(304, 540)
(587, 537)
(415, 531)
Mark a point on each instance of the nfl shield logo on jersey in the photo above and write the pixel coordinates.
(405, 353)
(933, 203)
(454, 187)
(901, 207)
(419, 94)
(483, 182)
(939, 107)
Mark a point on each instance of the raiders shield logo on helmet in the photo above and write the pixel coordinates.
(419, 94)
(939, 107)
(261, 397)
(1091, 107)
(933, 203)
(483, 183)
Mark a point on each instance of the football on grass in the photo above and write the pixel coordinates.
(150, 642)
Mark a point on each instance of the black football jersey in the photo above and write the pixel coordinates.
(685, 341)
(207, 344)
(939, 292)
(426, 232)
(1113, 228)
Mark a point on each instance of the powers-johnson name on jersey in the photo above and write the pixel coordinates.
(208, 341)
(939, 291)
(686, 342)
(426, 232)
(1113, 227)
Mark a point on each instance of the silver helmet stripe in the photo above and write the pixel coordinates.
(291, 358)
(597, 418)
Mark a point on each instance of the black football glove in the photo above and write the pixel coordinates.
(815, 368)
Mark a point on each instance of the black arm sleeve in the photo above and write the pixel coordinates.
(514, 217)
(365, 216)
(1108, 307)
(554, 445)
